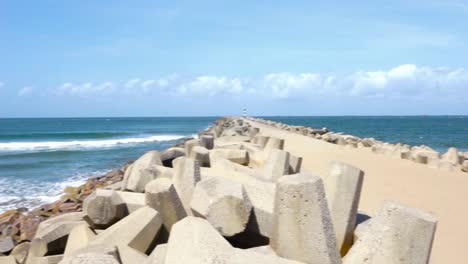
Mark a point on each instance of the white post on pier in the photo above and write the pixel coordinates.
(245, 112)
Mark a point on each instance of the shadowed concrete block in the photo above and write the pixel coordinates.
(295, 164)
(186, 176)
(207, 141)
(138, 180)
(20, 252)
(200, 154)
(235, 155)
(193, 240)
(302, 226)
(129, 255)
(138, 230)
(170, 154)
(274, 143)
(6, 244)
(79, 237)
(276, 165)
(133, 172)
(360, 229)
(55, 235)
(343, 190)
(223, 203)
(158, 256)
(260, 140)
(464, 166)
(162, 196)
(397, 234)
(104, 207)
(99, 254)
(189, 144)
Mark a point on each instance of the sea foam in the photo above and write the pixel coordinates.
(52, 145)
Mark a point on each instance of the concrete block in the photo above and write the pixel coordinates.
(207, 141)
(223, 203)
(186, 176)
(189, 144)
(228, 140)
(397, 234)
(20, 252)
(133, 172)
(138, 179)
(75, 216)
(295, 164)
(343, 190)
(138, 230)
(6, 244)
(44, 260)
(235, 155)
(129, 255)
(193, 240)
(55, 235)
(200, 154)
(276, 165)
(105, 207)
(274, 143)
(452, 156)
(158, 256)
(170, 154)
(260, 140)
(79, 237)
(99, 254)
(302, 226)
(162, 196)
(7, 260)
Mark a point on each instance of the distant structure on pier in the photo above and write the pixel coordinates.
(245, 112)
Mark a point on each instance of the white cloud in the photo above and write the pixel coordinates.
(25, 91)
(85, 89)
(402, 81)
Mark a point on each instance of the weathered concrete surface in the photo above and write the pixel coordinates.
(99, 254)
(79, 237)
(129, 255)
(235, 155)
(276, 165)
(158, 256)
(302, 225)
(224, 203)
(186, 176)
(162, 196)
(343, 190)
(200, 154)
(138, 230)
(137, 180)
(397, 234)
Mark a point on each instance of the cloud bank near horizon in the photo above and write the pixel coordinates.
(406, 80)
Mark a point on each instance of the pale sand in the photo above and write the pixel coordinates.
(440, 192)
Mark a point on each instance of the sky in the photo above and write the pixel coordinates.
(210, 58)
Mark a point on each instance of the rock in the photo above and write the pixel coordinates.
(105, 207)
(162, 196)
(158, 255)
(396, 233)
(138, 230)
(20, 252)
(170, 154)
(133, 172)
(235, 155)
(343, 190)
(186, 176)
(302, 226)
(189, 144)
(276, 165)
(200, 154)
(452, 156)
(29, 225)
(6, 244)
(78, 238)
(223, 203)
(138, 180)
(207, 141)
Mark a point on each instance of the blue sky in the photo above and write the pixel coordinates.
(184, 58)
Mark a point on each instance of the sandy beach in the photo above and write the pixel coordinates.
(437, 191)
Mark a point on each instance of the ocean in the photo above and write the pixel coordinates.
(40, 156)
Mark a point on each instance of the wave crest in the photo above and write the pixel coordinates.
(107, 143)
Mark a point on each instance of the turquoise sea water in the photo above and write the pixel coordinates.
(39, 157)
